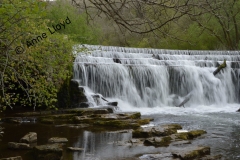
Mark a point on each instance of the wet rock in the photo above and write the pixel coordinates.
(49, 152)
(190, 135)
(133, 142)
(31, 137)
(86, 105)
(112, 103)
(130, 115)
(122, 131)
(74, 149)
(110, 109)
(77, 93)
(12, 158)
(164, 156)
(238, 110)
(161, 130)
(121, 124)
(209, 157)
(158, 141)
(116, 60)
(95, 111)
(191, 153)
(57, 140)
(14, 145)
(73, 125)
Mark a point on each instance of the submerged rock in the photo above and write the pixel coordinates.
(163, 156)
(49, 152)
(190, 135)
(158, 141)
(191, 153)
(74, 149)
(112, 103)
(12, 158)
(57, 140)
(86, 105)
(31, 137)
(14, 145)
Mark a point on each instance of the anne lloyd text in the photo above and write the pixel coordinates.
(52, 30)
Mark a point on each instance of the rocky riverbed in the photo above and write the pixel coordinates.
(178, 142)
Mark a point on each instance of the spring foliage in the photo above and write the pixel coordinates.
(34, 77)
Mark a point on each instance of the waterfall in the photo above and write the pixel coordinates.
(158, 77)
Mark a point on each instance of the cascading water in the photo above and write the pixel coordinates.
(154, 82)
(155, 77)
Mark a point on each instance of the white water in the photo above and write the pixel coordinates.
(155, 81)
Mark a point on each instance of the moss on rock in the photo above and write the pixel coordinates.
(190, 135)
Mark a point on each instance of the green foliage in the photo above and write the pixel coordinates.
(34, 77)
(78, 30)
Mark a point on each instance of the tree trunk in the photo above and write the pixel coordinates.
(220, 67)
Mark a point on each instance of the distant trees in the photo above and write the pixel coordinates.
(218, 18)
(221, 19)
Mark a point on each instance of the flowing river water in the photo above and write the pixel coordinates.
(153, 82)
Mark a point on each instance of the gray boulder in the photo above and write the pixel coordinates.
(31, 137)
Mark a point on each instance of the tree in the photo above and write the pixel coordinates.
(34, 63)
(219, 18)
(162, 19)
(141, 17)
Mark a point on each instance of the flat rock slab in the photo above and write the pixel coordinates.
(14, 145)
(160, 130)
(163, 156)
(31, 137)
(49, 151)
(57, 140)
(188, 153)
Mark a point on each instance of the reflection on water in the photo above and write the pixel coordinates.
(223, 137)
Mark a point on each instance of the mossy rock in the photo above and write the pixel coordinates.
(138, 133)
(135, 115)
(192, 153)
(47, 120)
(190, 135)
(144, 121)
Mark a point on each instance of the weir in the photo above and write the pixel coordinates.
(158, 77)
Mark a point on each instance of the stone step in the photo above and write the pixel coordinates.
(166, 63)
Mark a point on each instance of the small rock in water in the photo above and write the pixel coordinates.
(14, 145)
(31, 137)
(75, 149)
(86, 105)
(238, 110)
(112, 103)
(57, 140)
